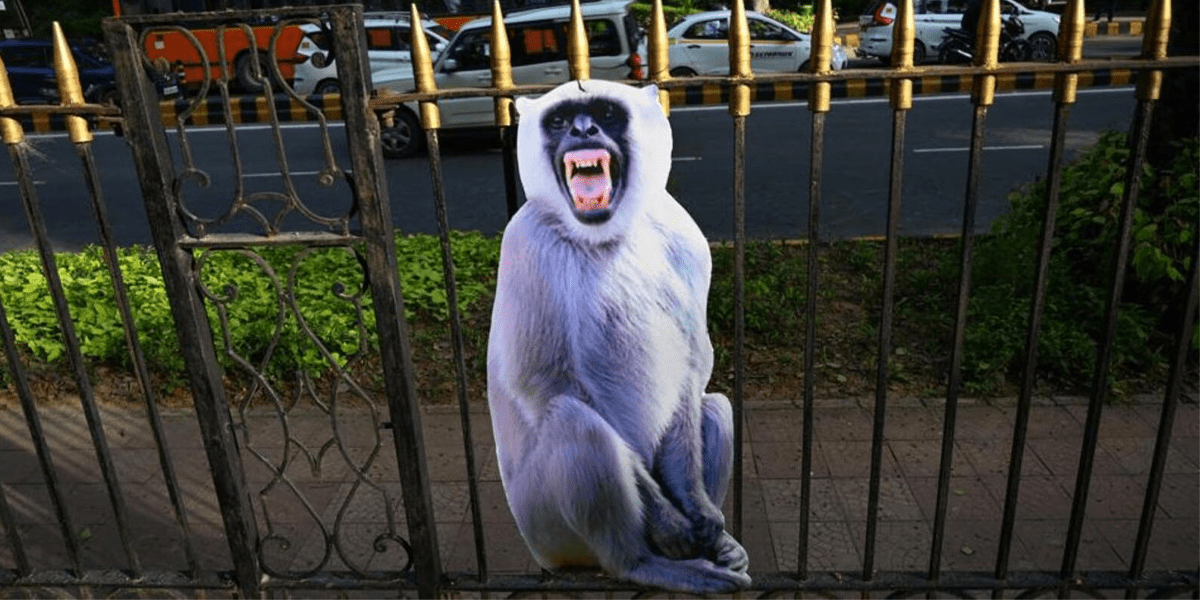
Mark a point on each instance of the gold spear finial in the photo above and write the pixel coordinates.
(987, 52)
(70, 92)
(577, 45)
(660, 60)
(739, 60)
(1154, 47)
(822, 56)
(903, 34)
(422, 61)
(1070, 50)
(10, 129)
(501, 66)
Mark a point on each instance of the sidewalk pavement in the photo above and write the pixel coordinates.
(317, 468)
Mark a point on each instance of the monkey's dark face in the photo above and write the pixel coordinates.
(588, 140)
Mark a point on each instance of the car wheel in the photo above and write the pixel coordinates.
(329, 86)
(1043, 46)
(803, 67)
(682, 72)
(918, 52)
(403, 139)
(243, 71)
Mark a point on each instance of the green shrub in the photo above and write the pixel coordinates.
(1079, 279)
(267, 308)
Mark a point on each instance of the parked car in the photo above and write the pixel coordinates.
(388, 40)
(933, 16)
(538, 40)
(30, 66)
(700, 45)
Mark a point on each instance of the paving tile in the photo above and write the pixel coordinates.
(1049, 421)
(993, 457)
(775, 425)
(982, 422)
(918, 458)
(756, 539)
(1174, 543)
(971, 545)
(900, 545)
(831, 546)
(968, 498)
(1061, 457)
(1115, 497)
(918, 423)
(1179, 495)
(776, 460)
(1045, 539)
(896, 501)
(1039, 496)
(853, 459)
(754, 507)
(842, 424)
(782, 499)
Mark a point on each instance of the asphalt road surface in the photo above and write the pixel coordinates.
(858, 137)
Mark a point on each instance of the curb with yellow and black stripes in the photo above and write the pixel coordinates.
(254, 109)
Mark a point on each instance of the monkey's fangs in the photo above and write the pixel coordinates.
(588, 177)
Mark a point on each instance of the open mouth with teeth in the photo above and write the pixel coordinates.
(589, 178)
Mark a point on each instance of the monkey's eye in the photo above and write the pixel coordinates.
(556, 122)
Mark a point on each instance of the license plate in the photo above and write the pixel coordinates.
(170, 90)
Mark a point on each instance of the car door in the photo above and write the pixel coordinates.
(934, 17)
(703, 47)
(466, 64)
(773, 48)
(30, 73)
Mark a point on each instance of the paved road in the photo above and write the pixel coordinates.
(856, 170)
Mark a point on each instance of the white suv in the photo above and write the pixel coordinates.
(538, 40)
(932, 16)
(388, 36)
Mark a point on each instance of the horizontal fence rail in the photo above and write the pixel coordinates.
(270, 478)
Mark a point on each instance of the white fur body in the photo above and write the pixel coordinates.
(610, 452)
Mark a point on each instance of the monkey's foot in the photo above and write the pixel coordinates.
(694, 576)
(730, 554)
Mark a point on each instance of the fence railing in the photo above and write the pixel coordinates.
(302, 487)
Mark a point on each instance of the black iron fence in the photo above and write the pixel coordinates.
(328, 479)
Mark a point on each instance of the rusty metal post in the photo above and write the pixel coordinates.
(739, 109)
(578, 58)
(660, 60)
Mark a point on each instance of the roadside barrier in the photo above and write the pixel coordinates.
(254, 109)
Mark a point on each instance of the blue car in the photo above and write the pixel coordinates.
(30, 65)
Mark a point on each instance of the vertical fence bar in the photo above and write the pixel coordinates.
(818, 104)
(1166, 422)
(578, 59)
(502, 80)
(1070, 50)
(72, 93)
(388, 300)
(143, 128)
(903, 36)
(1154, 47)
(10, 528)
(739, 108)
(431, 121)
(660, 59)
(983, 94)
(14, 139)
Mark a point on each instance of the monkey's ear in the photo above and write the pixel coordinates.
(523, 104)
(651, 92)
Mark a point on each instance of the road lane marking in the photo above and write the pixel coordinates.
(964, 148)
(685, 158)
(278, 174)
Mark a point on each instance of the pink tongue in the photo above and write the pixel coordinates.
(590, 192)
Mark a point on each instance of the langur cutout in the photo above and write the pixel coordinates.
(610, 451)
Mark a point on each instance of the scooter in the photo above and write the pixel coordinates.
(958, 47)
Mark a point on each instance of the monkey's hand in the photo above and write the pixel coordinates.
(729, 553)
(670, 532)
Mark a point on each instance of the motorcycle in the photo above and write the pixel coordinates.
(958, 46)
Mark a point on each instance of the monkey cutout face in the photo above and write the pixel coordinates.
(593, 154)
(589, 143)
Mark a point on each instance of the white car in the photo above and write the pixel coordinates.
(933, 16)
(537, 38)
(388, 39)
(700, 45)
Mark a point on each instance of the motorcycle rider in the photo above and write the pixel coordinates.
(970, 19)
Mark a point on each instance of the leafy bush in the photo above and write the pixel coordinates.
(1162, 246)
(266, 307)
(802, 20)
